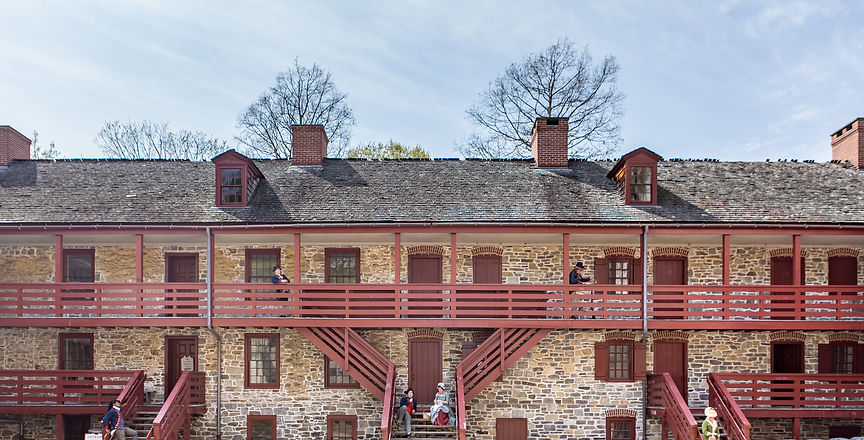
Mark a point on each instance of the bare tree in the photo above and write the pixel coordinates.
(42, 152)
(301, 95)
(155, 140)
(561, 81)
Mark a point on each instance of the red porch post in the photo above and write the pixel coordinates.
(58, 258)
(726, 263)
(397, 258)
(796, 259)
(566, 261)
(139, 258)
(296, 257)
(796, 425)
(61, 428)
(452, 258)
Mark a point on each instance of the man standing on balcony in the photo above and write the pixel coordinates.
(115, 424)
(576, 274)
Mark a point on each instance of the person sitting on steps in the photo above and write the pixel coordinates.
(407, 406)
(440, 412)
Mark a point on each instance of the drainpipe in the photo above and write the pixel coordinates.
(645, 327)
(215, 334)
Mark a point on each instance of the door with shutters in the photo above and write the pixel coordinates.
(669, 271)
(181, 354)
(424, 269)
(781, 275)
(617, 270)
(425, 368)
(671, 357)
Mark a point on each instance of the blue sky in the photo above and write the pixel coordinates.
(731, 80)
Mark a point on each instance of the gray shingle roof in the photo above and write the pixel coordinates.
(124, 191)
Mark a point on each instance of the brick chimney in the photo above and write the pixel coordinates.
(549, 142)
(848, 143)
(13, 145)
(308, 145)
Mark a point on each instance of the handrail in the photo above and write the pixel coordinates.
(37, 389)
(387, 415)
(460, 404)
(735, 423)
(801, 390)
(132, 394)
(174, 413)
(676, 413)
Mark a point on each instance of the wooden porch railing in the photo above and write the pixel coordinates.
(734, 421)
(827, 392)
(175, 412)
(388, 305)
(676, 413)
(43, 391)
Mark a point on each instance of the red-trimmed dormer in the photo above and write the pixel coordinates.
(236, 179)
(636, 174)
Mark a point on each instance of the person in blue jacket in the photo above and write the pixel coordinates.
(113, 420)
(576, 274)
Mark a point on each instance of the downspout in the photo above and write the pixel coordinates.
(215, 334)
(645, 327)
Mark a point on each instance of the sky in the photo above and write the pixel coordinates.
(723, 79)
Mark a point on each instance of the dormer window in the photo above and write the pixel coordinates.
(636, 175)
(237, 178)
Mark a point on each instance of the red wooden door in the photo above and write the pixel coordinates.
(670, 270)
(781, 275)
(843, 271)
(424, 269)
(487, 270)
(786, 357)
(511, 429)
(671, 357)
(424, 368)
(180, 352)
(75, 426)
(181, 268)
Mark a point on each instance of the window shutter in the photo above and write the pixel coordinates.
(601, 360)
(601, 271)
(858, 359)
(639, 362)
(636, 273)
(825, 358)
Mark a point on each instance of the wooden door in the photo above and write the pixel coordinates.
(181, 353)
(181, 268)
(511, 429)
(786, 358)
(424, 269)
(75, 426)
(425, 368)
(487, 270)
(671, 357)
(843, 271)
(670, 270)
(781, 275)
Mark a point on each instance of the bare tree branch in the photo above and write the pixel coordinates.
(152, 140)
(561, 81)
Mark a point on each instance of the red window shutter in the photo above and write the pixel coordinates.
(601, 360)
(639, 362)
(636, 273)
(825, 358)
(858, 359)
(601, 271)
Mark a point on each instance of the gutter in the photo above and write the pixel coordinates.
(214, 333)
(645, 327)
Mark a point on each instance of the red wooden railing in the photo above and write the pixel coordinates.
(734, 421)
(688, 307)
(801, 391)
(37, 391)
(462, 425)
(676, 413)
(175, 412)
(387, 414)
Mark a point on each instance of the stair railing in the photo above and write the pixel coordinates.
(387, 415)
(462, 427)
(735, 423)
(132, 394)
(676, 413)
(175, 412)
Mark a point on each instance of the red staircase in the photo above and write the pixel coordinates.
(360, 360)
(177, 411)
(676, 414)
(487, 363)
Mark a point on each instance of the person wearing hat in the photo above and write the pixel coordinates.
(440, 405)
(710, 427)
(278, 277)
(407, 406)
(576, 274)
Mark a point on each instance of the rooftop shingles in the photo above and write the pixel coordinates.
(90, 191)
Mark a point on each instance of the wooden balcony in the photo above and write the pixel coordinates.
(66, 391)
(432, 305)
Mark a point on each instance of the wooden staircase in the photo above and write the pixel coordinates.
(488, 362)
(423, 430)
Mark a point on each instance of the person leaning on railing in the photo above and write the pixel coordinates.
(115, 426)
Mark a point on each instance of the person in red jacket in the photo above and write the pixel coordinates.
(407, 406)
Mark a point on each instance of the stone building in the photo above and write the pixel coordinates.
(151, 280)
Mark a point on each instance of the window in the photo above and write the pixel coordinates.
(619, 360)
(640, 184)
(342, 265)
(619, 271)
(841, 357)
(336, 377)
(341, 427)
(260, 427)
(78, 265)
(75, 351)
(231, 186)
(262, 360)
(259, 264)
(620, 428)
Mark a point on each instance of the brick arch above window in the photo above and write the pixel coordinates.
(670, 335)
(787, 335)
(843, 336)
(670, 252)
(619, 251)
(480, 335)
(426, 334)
(785, 252)
(621, 412)
(843, 252)
(425, 250)
(487, 250)
(619, 336)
